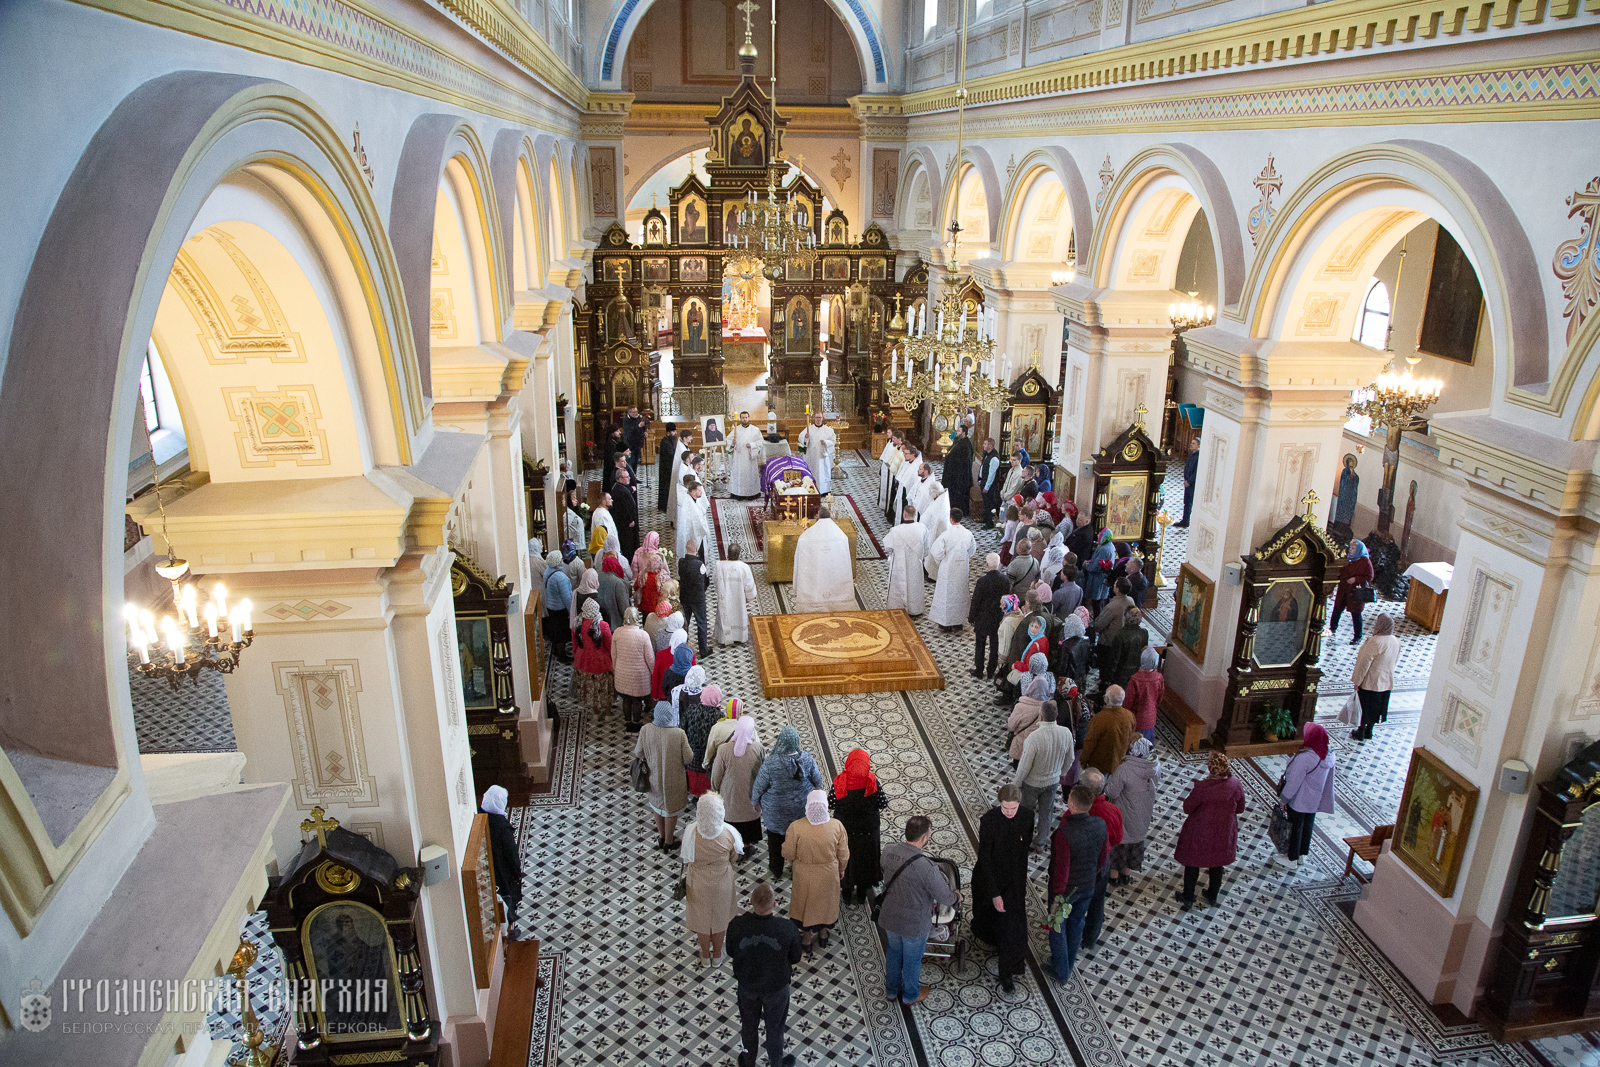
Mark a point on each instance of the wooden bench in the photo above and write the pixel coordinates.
(1185, 718)
(513, 1021)
(1367, 848)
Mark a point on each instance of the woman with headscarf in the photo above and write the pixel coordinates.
(1145, 689)
(1039, 686)
(1073, 660)
(1307, 789)
(1055, 557)
(557, 608)
(820, 849)
(1373, 676)
(536, 562)
(592, 653)
(699, 707)
(1354, 590)
(586, 589)
(857, 802)
(786, 778)
(1023, 570)
(572, 515)
(722, 728)
(671, 666)
(597, 540)
(1010, 618)
(647, 583)
(613, 549)
(709, 851)
(666, 752)
(1000, 882)
(1210, 834)
(632, 660)
(1048, 497)
(733, 775)
(503, 850)
(1038, 645)
(648, 548)
(1132, 788)
(1097, 571)
(1037, 541)
(613, 591)
(655, 624)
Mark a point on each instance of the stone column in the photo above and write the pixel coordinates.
(602, 132)
(1516, 675)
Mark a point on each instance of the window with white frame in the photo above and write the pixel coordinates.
(147, 393)
(930, 17)
(1372, 325)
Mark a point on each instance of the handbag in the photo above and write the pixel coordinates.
(879, 898)
(639, 775)
(1361, 596)
(680, 889)
(1278, 827)
(1350, 713)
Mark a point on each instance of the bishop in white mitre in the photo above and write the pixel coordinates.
(747, 451)
(907, 548)
(736, 595)
(935, 517)
(823, 578)
(952, 554)
(820, 444)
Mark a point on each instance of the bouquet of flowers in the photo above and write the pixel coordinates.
(1106, 565)
(1059, 910)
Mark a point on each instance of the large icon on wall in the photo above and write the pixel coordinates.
(347, 942)
(694, 326)
(1434, 821)
(1192, 612)
(692, 269)
(1282, 624)
(797, 324)
(472, 644)
(747, 142)
(692, 221)
(656, 270)
(1125, 495)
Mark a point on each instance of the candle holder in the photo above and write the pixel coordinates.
(1164, 519)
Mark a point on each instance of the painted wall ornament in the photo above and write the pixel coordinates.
(1577, 262)
(1107, 174)
(1269, 181)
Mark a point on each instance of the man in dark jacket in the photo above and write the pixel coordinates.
(634, 426)
(1191, 475)
(764, 949)
(912, 886)
(614, 450)
(989, 482)
(985, 615)
(625, 513)
(1095, 781)
(1079, 851)
(957, 474)
(1080, 542)
(692, 581)
(668, 451)
(1122, 654)
(1138, 584)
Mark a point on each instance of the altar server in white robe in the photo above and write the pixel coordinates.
(736, 594)
(821, 444)
(602, 518)
(888, 463)
(935, 518)
(905, 479)
(675, 487)
(694, 519)
(823, 580)
(952, 595)
(922, 492)
(748, 451)
(907, 548)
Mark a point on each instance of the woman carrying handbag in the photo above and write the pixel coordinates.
(1373, 676)
(1307, 789)
(1354, 591)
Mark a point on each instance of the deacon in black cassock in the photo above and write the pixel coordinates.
(1001, 875)
(664, 457)
(634, 426)
(625, 513)
(614, 448)
(957, 474)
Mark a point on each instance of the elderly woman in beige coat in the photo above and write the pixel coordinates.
(1373, 675)
(664, 747)
(710, 849)
(820, 848)
(733, 774)
(632, 660)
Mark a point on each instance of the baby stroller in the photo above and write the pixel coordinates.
(945, 941)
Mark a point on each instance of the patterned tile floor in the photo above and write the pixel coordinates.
(1277, 974)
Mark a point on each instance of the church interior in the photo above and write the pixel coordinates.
(484, 381)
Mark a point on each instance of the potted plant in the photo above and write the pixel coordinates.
(1277, 724)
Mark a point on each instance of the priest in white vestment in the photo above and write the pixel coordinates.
(694, 519)
(736, 595)
(602, 519)
(935, 517)
(952, 595)
(747, 451)
(823, 579)
(888, 463)
(922, 492)
(905, 479)
(907, 547)
(821, 444)
(676, 483)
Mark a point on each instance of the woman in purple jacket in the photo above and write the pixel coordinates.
(1307, 789)
(1210, 835)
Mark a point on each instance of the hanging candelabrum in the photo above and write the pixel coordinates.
(773, 232)
(193, 638)
(1190, 315)
(951, 363)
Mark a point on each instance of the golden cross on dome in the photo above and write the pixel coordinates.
(320, 825)
(1310, 501)
(749, 9)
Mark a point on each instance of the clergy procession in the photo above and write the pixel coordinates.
(1058, 644)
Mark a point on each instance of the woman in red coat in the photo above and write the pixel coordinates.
(1210, 835)
(1356, 574)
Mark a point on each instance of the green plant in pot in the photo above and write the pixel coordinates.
(1277, 723)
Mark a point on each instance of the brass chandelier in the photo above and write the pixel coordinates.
(958, 365)
(193, 638)
(780, 234)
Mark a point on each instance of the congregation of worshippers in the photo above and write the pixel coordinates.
(1059, 642)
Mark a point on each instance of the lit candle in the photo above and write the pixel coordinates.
(244, 606)
(966, 378)
(211, 621)
(143, 646)
(220, 595)
(186, 606)
(174, 640)
(236, 621)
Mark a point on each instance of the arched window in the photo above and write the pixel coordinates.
(161, 416)
(930, 17)
(1372, 325)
